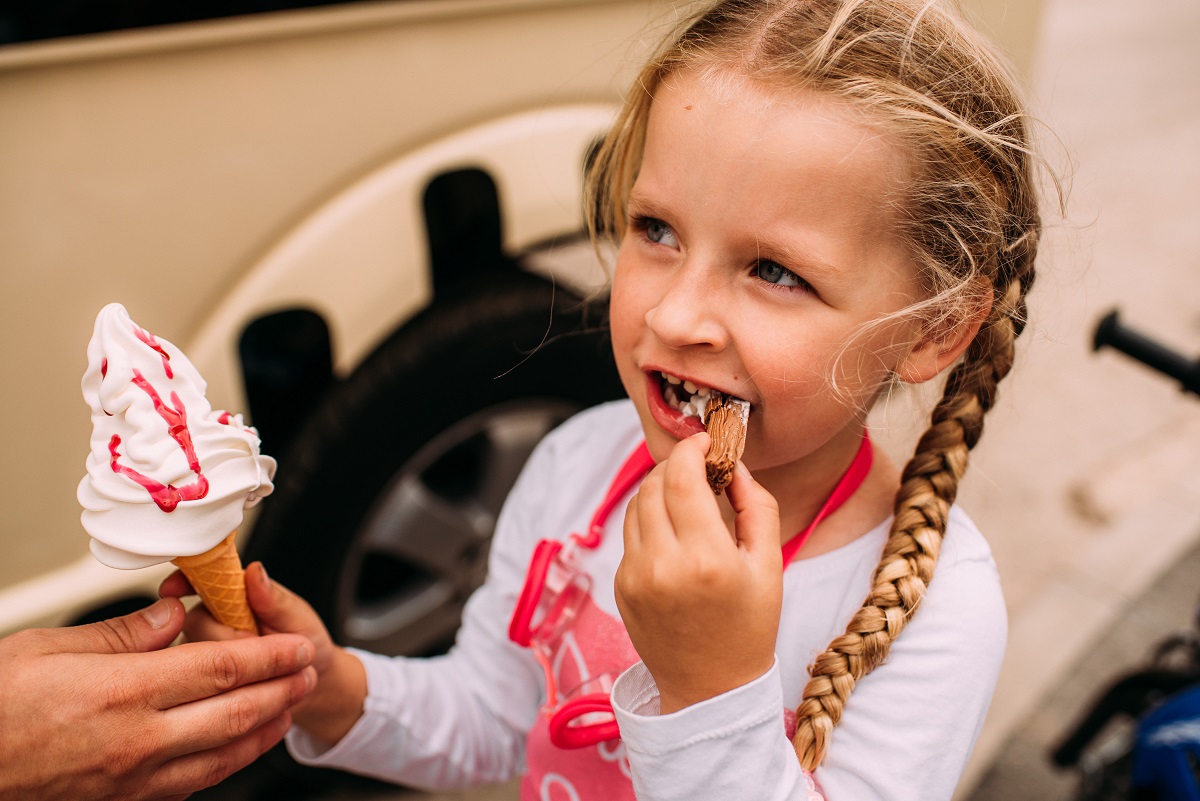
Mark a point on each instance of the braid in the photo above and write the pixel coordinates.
(928, 488)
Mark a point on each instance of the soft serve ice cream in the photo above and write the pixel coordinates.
(167, 476)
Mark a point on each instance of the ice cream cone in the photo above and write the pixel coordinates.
(217, 576)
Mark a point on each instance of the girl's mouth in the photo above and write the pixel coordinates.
(687, 397)
(684, 396)
(677, 404)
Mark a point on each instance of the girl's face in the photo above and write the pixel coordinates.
(760, 240)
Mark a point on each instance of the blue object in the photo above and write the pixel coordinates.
(1166, 755)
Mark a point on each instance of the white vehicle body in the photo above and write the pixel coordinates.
(208, 173)
(212, 173)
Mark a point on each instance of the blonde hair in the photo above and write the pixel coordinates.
(969, 216)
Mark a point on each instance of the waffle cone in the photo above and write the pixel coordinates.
(217, 576)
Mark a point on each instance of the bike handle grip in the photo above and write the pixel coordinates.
(1112, 333)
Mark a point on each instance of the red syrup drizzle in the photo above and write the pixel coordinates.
(153, 343)
(104, 374)
(226, 419)
(167, 496)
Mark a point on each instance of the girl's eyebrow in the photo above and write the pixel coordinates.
(798, 258)
(643, 206)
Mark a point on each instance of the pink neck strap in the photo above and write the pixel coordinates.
(850, 481)
(640, 463)
(635, 468)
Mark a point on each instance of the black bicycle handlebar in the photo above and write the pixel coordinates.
(1112, 333)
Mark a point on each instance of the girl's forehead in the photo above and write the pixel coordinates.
(737, 164)
(771, 119)
(721, 127)
(727, 86)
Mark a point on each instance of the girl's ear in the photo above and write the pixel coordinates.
(940, 347)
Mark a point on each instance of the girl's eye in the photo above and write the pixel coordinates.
(775, 273)
(656, 231)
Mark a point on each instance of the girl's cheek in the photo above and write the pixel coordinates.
(628, 298)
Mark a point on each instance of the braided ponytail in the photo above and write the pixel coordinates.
(974, 216)
(928, 488)
(969, 216)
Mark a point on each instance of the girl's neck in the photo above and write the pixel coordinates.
(802, 489)
(863, 511)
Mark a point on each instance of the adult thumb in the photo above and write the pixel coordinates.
(149, 629)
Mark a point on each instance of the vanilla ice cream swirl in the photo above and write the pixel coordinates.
(167, 475)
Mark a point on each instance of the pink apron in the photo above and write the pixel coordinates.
(597, 645)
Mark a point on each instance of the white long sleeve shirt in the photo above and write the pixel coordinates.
(906, 733)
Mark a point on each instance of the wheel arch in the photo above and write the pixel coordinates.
(361, 260)
(488, 344)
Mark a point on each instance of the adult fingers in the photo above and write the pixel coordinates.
(199, 670)
(198, 770)
(757, 512)
(149, 629)
(201, 626)
(222, 719)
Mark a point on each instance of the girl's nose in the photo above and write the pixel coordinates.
(689, 312)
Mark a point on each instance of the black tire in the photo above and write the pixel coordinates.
(384, 506)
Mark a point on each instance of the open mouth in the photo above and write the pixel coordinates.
(686, 397)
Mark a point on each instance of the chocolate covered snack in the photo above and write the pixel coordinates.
(725, 418)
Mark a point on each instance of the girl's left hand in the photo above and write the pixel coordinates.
(701, 606)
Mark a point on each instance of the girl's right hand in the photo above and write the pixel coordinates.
(701, 606)
(333, 707)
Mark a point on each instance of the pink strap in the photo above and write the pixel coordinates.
(636, 466)
(640, 463)
(850, 481)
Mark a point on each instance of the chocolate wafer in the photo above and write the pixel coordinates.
(725, 418)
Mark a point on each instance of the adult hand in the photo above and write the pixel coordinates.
(337, 703)
(701, 606)
(103, 712)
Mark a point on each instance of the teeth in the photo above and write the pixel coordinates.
(686, 397)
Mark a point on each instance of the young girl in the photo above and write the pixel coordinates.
(813, 199)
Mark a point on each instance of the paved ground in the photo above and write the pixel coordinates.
(1089, 488)
(1022, 768)
(1088, 480)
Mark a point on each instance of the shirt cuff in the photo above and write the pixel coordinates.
(635, 700)
(382, 683)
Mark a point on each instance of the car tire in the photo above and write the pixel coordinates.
(385, 504)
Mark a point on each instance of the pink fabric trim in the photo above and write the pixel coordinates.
(640, 463)
(847, 485)
(813, 793)
(635, 468)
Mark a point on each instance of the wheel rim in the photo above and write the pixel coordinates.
(422, 547)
